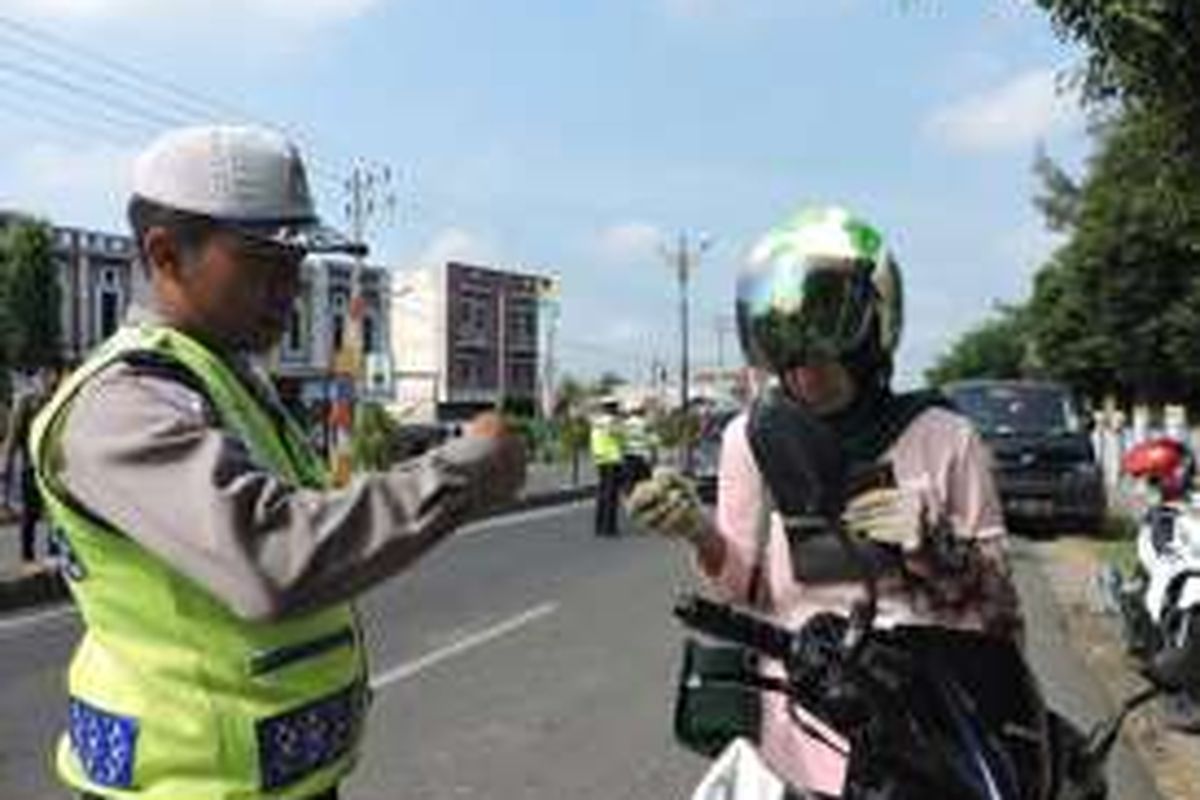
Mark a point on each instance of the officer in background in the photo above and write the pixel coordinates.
(608, 453)
(213, 565)
(640, 448)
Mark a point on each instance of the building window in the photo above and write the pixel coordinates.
(339, 332)
(339, 322)
(108, 304)
(295, 332)
(369, 338)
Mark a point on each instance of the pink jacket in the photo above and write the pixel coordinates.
(941, 460)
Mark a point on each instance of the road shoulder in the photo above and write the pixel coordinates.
(1070, 564)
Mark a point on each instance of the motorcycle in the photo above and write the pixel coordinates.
(915, 704)
(1159, 601)
(914, 732)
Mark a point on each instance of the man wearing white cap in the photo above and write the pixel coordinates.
(213, 566)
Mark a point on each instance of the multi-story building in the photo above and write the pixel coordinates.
(307, 365)
(100, 275)
(464, 337)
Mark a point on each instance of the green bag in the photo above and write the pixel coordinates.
(713, 705)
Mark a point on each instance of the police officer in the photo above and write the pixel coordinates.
(213, 565)
(607, 456)
(639, 446)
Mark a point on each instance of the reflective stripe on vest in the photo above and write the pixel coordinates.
(172, 695)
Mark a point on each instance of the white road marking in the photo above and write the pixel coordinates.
(29, 620)
(412, 668)
(483, 526)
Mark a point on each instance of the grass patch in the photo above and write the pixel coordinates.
(1117, 542)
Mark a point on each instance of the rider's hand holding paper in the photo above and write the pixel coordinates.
(667, 504)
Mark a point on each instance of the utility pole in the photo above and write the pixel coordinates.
(548, 306)
(369, 194)
(683, 259)
(723, 325)
(502, 343)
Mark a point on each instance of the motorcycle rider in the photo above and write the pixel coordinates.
(820, 308)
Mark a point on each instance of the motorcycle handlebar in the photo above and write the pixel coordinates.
(725, 622)
(818, 644)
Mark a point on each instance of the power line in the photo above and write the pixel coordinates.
(110, 130)
(43, 53)
(112, 65)
(72, 87)
(188, 106)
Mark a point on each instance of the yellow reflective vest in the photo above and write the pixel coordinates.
(606, 440)
(172, 696)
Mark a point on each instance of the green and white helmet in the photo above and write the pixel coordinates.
(820, 287)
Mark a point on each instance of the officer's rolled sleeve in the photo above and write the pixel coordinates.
(146, 454)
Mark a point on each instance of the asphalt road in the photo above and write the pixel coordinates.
(524, 659)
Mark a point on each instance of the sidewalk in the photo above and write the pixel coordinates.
(20, 586)
(1070, 564)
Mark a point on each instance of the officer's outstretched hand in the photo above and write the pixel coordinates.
(508, 463)
(667, 504)
(887, 516)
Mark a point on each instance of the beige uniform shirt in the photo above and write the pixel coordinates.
(146, 453)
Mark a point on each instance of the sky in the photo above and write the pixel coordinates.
(577, 139)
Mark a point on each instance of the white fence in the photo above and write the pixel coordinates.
(1115, 432)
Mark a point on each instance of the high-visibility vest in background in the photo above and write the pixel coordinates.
(606, 440)
(172, 695)
(639, 439)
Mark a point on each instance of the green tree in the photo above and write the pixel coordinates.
(1105, 312)
(569, 397)
(374, 439)
(1060, 195)
(574, 436)
(1140, 52)
(677, 428)
(995, 348)
(30, 296)
(571, 427)
(607, 383)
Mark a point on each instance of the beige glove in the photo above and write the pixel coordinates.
(667, 504)
(887, 516)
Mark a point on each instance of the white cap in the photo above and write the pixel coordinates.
(244, 177)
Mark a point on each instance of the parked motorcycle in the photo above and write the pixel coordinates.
(1159, 602)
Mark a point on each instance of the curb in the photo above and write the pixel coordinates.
(1168, 758)
(46, 585)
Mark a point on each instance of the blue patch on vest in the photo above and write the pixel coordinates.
(297, 743)
(105, 744)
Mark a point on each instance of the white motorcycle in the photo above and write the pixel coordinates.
(1159, 603)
